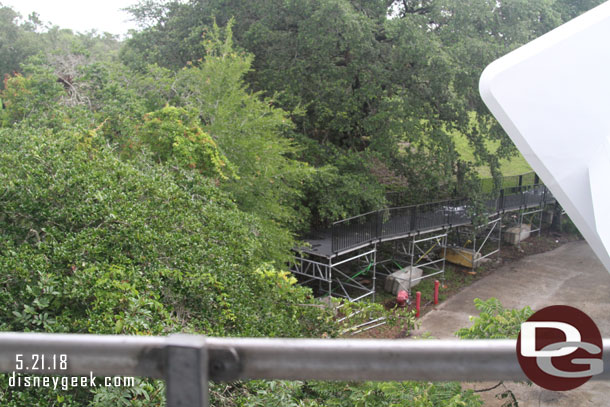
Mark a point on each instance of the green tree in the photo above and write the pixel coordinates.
(382, 74)
(250, 131)
(18, 40)
(23, 38)
(173, 134)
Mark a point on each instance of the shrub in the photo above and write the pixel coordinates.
(494, 321)
(173, 134)
(93, 244)
(30, 98)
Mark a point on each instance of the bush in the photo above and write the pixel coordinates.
(92, 244)
(32, 99)
(173, 134)
(494, 321)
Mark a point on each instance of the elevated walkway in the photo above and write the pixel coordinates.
(358, 237)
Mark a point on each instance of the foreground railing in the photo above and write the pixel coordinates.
(187, 362)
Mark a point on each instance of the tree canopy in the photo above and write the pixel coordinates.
(366, 76)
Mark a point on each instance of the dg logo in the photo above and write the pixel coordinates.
(560, 348)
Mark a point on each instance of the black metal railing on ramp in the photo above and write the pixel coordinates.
(391, 223)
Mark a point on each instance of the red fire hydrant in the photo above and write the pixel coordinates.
(401, 298)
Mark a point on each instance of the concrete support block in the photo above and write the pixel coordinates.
(515, 234)
(399, 280)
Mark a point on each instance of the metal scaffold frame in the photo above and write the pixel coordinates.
(335, 280)
(489, 232)
(525, 216)
(412, 229)
(422, 247)
(400, 256)
(408, 252)
(493, 224)
(532, 216)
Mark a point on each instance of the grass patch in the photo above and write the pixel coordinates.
(513, 166)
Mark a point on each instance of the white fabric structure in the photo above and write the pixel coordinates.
(552, 96)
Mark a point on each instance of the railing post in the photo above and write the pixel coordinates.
(414, 225)
(333, 238)
(378, 226)
(186, 377)
(501, 201)
(544, 194)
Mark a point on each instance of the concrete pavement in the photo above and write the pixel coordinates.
(570, 275)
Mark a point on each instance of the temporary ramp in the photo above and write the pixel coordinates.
(421, 231)
(552, 96)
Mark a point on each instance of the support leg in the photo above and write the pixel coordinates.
(412, 249)
(474, 247)
(375, 270)
(520, 227)
(329, 274)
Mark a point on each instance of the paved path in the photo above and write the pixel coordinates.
(569, 275)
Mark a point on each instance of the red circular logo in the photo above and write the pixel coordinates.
(560, 348)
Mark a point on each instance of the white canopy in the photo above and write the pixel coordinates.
(552, 96)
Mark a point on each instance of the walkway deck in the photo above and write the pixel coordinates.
(402, 222)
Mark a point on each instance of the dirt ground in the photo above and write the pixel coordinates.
(570, 275)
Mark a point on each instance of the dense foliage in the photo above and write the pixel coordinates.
(94, 244)
(157, 185)
(494, 321)
(387, 76)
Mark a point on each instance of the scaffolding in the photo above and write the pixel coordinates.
(426, 251)
(421, 247)
(419, 236)
(333, 275)
(480, 241)
(493, 234)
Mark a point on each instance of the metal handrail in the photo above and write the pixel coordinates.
(355, 217)
(371, 228)
(187, 362)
